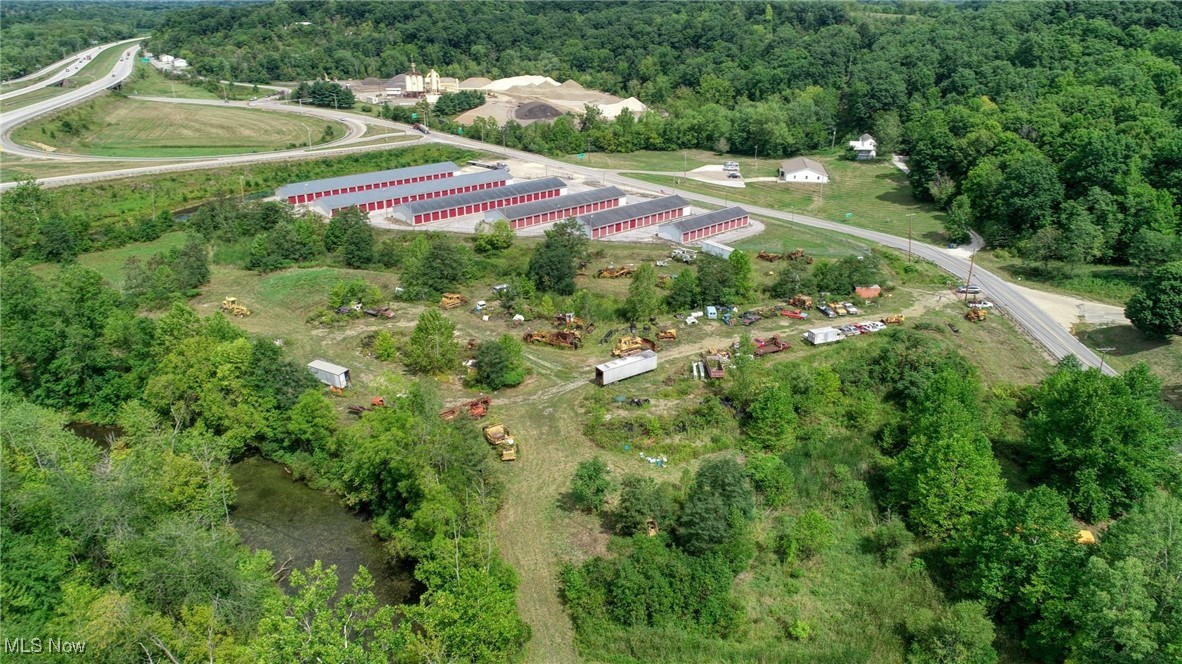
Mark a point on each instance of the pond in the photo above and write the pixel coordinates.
(292, 520)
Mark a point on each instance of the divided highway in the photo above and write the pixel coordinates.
(68, 67)
(1037, 323)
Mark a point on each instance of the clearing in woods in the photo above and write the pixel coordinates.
(119, 127)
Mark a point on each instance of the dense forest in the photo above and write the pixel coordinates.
(36, 34)
(1051, 126)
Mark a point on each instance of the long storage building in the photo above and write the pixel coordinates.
(388, 197)
(557, 209)
(438, 209)
(690, 229)
(306, 192)
(637, 215)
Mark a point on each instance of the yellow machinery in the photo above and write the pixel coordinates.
(498, 436)
(975, 315)
(628, 345)
(451, 300)
(230, 305)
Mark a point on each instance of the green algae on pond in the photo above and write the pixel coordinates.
(292, 520)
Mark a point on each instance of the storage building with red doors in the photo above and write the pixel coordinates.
(637, 215)
(699, 226)
(306, 192)
(439, 209)
(557, 209)
(388, 197)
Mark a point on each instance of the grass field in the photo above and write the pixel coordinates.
(101, 65)
(1130, 346)
(148, 81)
(109, 263)
(1111, 284)
(114, 126)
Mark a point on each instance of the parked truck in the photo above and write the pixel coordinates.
(823, 335)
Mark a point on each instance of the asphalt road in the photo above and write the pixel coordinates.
(69, 67)
(1037, 323)
(9, 120)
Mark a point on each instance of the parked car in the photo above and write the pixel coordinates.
(734, 175)
(730, 166)
(837, 307)
(750, 318)
(849, 307)
(825, 309)
(795, 313)
(971, 289)
(981, 304)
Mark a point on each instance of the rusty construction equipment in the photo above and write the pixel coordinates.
(765, 256)
(571, 339)
(801, 302)
(499, 437)
(572, 322)
(715, 368)
(615, 272)
(476, 409)
(769, 346)
(667, 334)
(375, 402)
(896, 319)
(628, 345)
(472, 344)
(230, 305)
(798, 255)
(451, 300)
(975, 315)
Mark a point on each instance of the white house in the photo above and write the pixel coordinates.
(864, 147)
(180, 63)
(166, 59)
(800, 169)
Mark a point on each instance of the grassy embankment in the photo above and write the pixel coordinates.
(12, 87)
(148, 81)
(99, 66)
(114, 126)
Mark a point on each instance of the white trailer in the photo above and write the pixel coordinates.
(625, 367)
(823, 335)
(717, 249)
(330, 374)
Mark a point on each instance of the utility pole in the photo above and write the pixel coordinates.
(909, 216)
(833, 142)
(1104, 351)
(309, 129)
(756, 158)
(968, 281)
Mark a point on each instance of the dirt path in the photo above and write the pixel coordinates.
(1067, 310)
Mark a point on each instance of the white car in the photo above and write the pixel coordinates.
(853, 311)
(981, 304)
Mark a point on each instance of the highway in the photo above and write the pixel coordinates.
(1037, 323)
(68, 67)
(9, 120)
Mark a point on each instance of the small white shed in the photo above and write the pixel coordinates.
(330, 374)
(823, 335)
(717, 249)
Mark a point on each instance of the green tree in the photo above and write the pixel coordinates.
(641, 499)
(944, 480)
(384, 348)
(500, 363)
(962, 634)
(771, 419)
(497, 236)
(742, 276)
(1100, 439)
(431, 349)
(771, 477)
(683, 294)
(552, 267)
(805, 537)
(643, 300)
(590, 484)
(311, 422)
(958, 219)
(1157, 308)
(718, 503)
(1115, 614)
(358, 246)
(791, 280)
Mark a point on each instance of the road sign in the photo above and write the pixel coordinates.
(460, 131)
(414, 116)
(143, 59)
(582, 155)
(849, 215)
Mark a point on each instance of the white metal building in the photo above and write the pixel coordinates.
(330, 374)
(800, 169)
(823, 335)
(625, 367)
(717, 249)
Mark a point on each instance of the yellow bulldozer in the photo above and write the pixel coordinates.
(975, 315)
(499, 437)
(667, 334)
(451, 300)
(230, 305)
(628, 345)
(896, 319)
(765, 256)
(801, 302)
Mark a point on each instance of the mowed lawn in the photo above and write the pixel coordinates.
(121, 127)
(147, 81)
(871, 195)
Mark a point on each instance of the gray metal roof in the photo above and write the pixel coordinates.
(560, 203)
(327, 204)
(686, 224)
(312, 186)
(410, 209)
(797, 164)
(626, 212)
(624, 361)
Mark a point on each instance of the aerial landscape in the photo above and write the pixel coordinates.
(549, 332)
